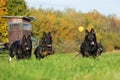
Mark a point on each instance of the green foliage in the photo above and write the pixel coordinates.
(62, 67)
(3, 24)
(17, 8)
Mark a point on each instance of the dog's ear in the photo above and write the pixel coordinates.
(29, 36)
(92, 30)
(49, 34)
(24, 37)
(86, 32)
(44, 34)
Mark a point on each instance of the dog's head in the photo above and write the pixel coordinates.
(26, 42)
(46, 40)
(49, 38)
(90, 37)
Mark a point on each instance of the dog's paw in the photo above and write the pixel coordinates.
(10, 59)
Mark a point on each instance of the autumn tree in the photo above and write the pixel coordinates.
(3, 24)
(17, 8)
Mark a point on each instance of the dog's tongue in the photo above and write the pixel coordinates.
(27, 48)
(49, 45)
(92, 43)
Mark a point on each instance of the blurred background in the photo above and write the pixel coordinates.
(63, 18)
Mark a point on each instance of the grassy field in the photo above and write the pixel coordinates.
(62, 67)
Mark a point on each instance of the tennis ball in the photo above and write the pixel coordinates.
(81, 28)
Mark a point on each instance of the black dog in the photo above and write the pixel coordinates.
(90, 47)
(45, 46)
(21, 48)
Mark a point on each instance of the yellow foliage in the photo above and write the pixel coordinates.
(98, 36)
(3, 24)
(89, 27)
(2, 3)
(3, 9)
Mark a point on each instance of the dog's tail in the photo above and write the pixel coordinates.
(4, 46)
(7, 45)
(78, 55)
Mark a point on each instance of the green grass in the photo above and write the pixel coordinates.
(62, 67)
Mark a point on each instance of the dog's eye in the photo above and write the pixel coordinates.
(90, 38)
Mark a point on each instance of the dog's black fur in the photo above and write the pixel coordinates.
(90, 47)
(21, 48)
(5, 46)
(45, 46)
(100, 49)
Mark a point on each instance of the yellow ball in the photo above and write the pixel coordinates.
(81, 28)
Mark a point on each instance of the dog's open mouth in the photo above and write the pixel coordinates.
(49, 45)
